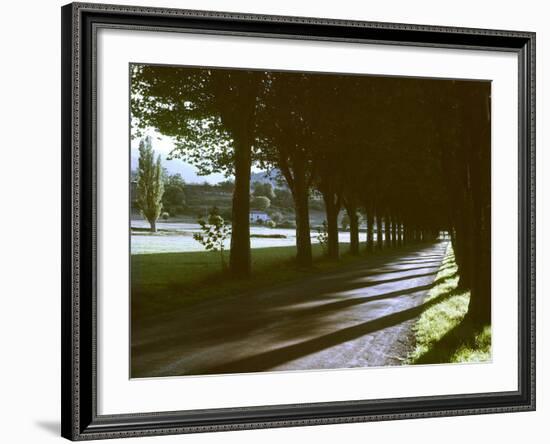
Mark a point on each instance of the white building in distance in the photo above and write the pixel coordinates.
(258, 217)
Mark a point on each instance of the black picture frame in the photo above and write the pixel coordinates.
(79, 396)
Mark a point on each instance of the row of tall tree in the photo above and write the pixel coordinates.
(412, 154)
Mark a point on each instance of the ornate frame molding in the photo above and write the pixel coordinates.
(79, 413)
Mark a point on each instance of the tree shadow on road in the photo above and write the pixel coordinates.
(267, 360)
(309, 308)
(330, 307)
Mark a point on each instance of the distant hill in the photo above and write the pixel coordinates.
(178, 166)
(265, 177)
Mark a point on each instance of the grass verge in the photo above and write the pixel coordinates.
(443, 335)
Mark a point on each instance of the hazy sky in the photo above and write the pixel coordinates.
(163, 145)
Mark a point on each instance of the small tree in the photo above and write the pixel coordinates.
(322, 236)
(214, 233)
(150, 186)
(263, 189)
(260, 203)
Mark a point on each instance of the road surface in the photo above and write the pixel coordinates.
(357, 316)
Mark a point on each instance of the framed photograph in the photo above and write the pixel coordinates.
(281, 221)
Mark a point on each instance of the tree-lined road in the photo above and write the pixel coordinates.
(357, 316)
(412, 155)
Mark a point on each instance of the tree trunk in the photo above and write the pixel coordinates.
(353, 229)
(452, 235)
(304, 257)
(388, 231)
(395, 241)
(153, 223)
(239, 94)
(379, 231)
(399, 234)
(332, 209)
(370, 231)
(464, 253)
(239, 255)
(479, 308)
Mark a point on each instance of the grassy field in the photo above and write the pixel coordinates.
(168, 281)
(442, 334)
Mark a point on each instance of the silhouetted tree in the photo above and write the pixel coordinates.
(284, 139)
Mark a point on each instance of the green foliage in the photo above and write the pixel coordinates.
(322, 235)
(214, 232)
(260, 203)
(263, 189)
(150, 187)
(199, 198)
(174, 197)
(226, 213)
(316, 204)
(283, 198)
(287, 224)
(200, 108)
(227, 185)
(276, 217)
(171, 100)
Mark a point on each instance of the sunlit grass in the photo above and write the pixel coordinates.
(480, 351)
(442, 334)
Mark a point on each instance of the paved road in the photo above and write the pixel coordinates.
(357, 316)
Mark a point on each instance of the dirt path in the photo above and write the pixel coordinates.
(358, 316)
